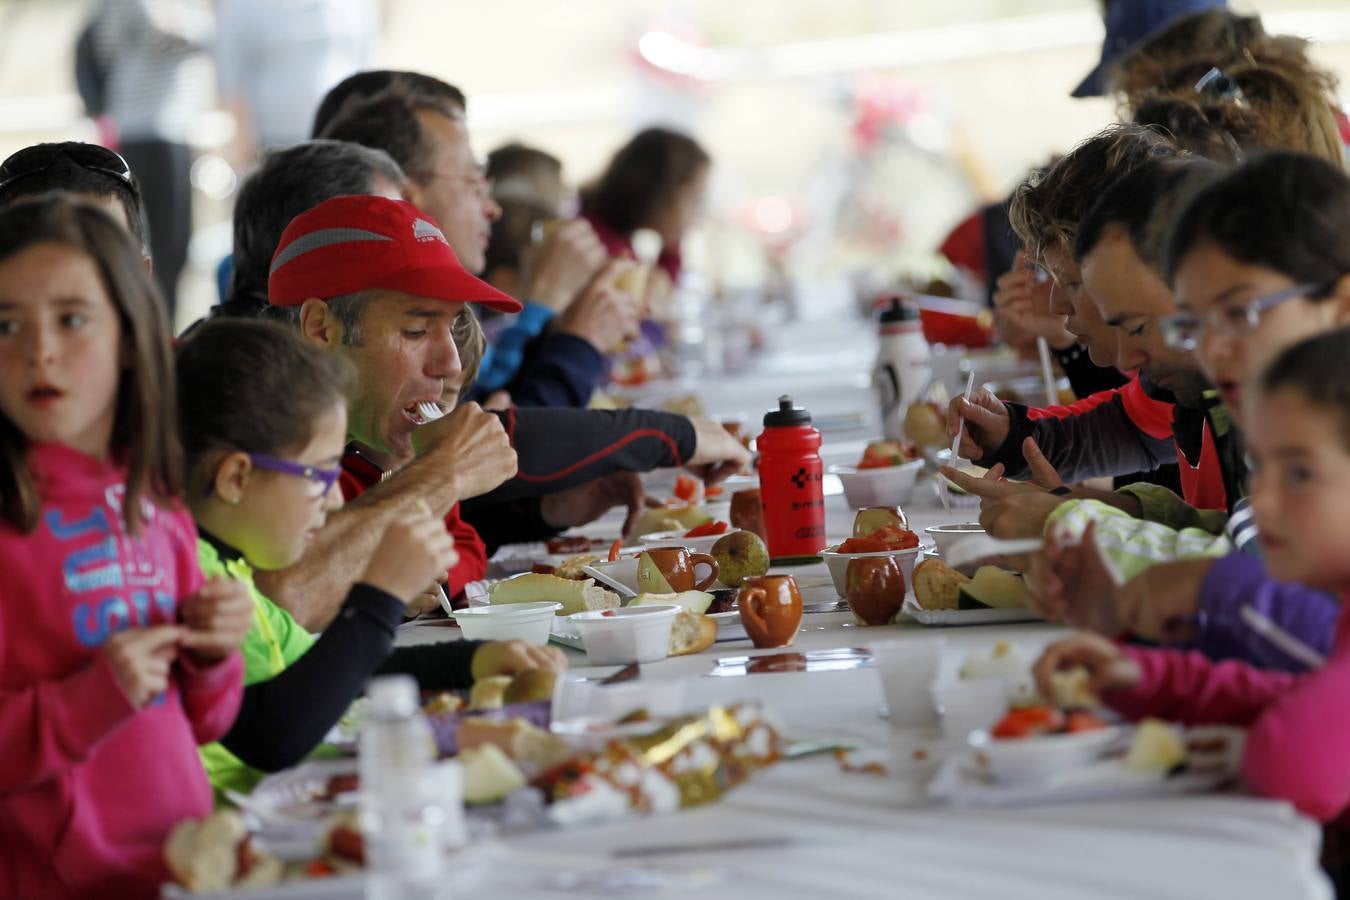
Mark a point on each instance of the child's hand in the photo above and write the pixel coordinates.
(141, 659)
(1072, 582)
(415, 550)
(514, 657)
(217, 617)
(1109, 669)
(1161, 603)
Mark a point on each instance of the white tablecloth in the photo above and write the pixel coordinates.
(863, 836)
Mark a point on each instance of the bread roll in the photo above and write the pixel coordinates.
(533, 748)
(937, 585)
(489, 693)
(571, 568)
(575, 596)
(692, 633)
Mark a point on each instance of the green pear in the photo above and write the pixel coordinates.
(649, 577)
(740, 555)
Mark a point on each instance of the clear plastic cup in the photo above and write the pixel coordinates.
(907, 670)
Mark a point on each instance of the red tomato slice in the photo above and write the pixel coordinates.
(614, 549)
(686, 488)
(862, 545)
(895, 537)
(1079, 720)
(1028, 721)
(707, 529)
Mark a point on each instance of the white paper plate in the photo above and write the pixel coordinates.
(729, 628)
(949, 617)
(961, 783)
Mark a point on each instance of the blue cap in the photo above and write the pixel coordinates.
(1128, 23)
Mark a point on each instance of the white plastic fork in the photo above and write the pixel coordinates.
(943, 493)
(982, 546)
(429, 411)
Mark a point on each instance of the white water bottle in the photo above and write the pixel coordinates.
(904, 366)
(401, 814)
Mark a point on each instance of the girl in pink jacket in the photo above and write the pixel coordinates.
(1298, 745)
(115, 660)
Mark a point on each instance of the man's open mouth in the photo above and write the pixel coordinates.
(422, 412)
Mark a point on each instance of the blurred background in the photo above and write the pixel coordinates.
(849, 137)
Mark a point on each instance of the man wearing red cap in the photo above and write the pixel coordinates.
(375, 280)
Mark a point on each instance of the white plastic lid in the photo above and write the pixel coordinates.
(392, 695)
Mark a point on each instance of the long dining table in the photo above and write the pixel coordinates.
(805, 828)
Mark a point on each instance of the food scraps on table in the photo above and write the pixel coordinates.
(883, 454)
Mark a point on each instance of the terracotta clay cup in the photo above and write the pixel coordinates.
(679, 565)
(771, 610)
(875, 589)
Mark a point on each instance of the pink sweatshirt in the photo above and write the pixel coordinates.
(1298, 746)
(89, 785)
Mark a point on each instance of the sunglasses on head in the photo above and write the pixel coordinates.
(39, 158)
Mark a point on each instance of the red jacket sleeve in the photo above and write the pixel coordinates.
(1078, 407)
(472, 563)
(1188, 687)
(211, 694)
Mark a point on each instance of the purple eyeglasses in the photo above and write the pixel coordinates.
(324, 477)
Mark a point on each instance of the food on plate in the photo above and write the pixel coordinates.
(343, 844)
(215, 854)
(489, 693)
(568, 544)
(671, 518)
(1156, 748)
(530, 686)
(571, 568)
(614, 549)
(531, 748)
(337, 785)
(993, 588)
(862, 545)
(687, 488)
(442, 703)
(937, 585)
(692, 633)
(740, 555)
(883, 454)
(1037, 721)
(575, 596)
(747, 511)
(694, 601)
(926, 424)
(707, 529)
(724, 601)
(870, 519)
(489, 774)
(895, 537)
(1073, 689)
(650, 579)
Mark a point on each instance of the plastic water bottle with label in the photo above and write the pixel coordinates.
(904, 366)
(402, 814)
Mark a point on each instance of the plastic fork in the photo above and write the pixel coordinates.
(956, 445)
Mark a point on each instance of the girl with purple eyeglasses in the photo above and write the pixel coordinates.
(264, 423)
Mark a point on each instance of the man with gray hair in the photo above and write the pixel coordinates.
(574, 464)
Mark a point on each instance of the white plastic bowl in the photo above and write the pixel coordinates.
(632, 634)
(838, 565)
(677, 539)
(508, 621)
(884, 486)
(945, 536)
(1030, 759)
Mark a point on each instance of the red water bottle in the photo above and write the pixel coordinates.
(790, 483)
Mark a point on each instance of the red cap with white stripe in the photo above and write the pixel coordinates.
(356, 243)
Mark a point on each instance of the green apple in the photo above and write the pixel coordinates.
(740, 555)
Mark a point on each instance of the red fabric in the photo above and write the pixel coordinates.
(359, 474)
(90, 786)
(1298, 746)
(620, 246)
(1202, 484)
(964, 245)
